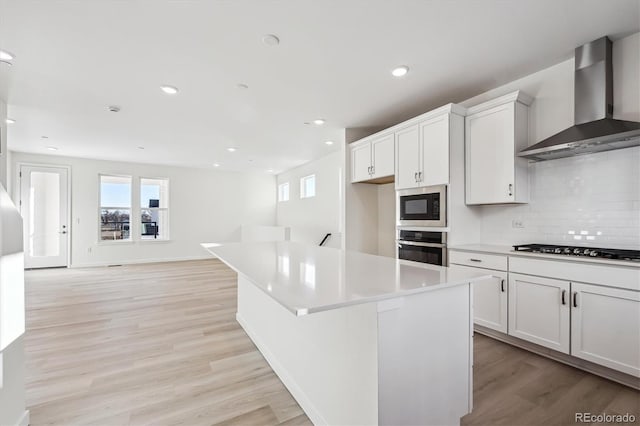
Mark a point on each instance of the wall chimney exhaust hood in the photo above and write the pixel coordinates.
(595, 130)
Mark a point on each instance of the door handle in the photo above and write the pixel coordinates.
(502, 286)
(415, 176)
(564, 292)
(575, 299)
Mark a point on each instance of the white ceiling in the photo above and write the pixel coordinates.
(75, 58)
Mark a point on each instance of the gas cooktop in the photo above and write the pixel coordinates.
(595, 252)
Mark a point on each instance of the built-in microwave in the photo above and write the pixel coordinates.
(422, 206)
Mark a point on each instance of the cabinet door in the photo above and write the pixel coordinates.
(360, 162)
(434, 144)
(489, 297)
(407, 157)
(490, 156)
(539, 311)
(382, 156)
(605, 326)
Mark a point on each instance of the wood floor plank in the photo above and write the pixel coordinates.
(158, 344)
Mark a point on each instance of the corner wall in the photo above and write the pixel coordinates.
(205, 206)
(311, 218)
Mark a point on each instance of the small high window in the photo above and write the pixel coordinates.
(308, 186)
(283, 192)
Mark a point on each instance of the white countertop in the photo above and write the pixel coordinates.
(306, 279)
(509, 251)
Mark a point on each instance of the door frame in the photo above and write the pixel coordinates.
(18, 195)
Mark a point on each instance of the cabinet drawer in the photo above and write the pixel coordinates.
(479, 260)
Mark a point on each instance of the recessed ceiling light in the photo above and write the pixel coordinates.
(169, 90)
(231, 149)
(270, 40)
(400, 71)
(6, 56)
(216, 165)
(242, 86)
(329, 142)
(318, 121)
(52, 148)
(10, 121)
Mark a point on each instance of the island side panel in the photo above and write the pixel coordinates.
(327, 360)
(424, 358)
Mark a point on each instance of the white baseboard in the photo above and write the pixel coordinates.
(24, 419)
(140, 261)
(284, 376)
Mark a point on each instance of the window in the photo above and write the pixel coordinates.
(283, 192)
(115, 208)
(154, 209)
(308, 186)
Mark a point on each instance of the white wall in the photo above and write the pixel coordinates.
(311, 218)
(596, 194)
(205, 206)
(3, 143)
(387, 220)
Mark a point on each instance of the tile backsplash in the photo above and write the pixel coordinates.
(588, 200)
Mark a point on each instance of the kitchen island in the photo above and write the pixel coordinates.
(358, 339)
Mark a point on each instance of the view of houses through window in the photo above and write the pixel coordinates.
(116, 209)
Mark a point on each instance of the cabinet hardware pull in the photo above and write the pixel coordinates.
(420, 176)
(575, 299)
(373, 170)
(369, 169)
(510, 190)
(475, 260)
(415, 176)
(563, 293)
(502, 286)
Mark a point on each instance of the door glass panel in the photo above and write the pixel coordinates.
(44, 214)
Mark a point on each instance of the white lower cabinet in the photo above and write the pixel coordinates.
(539, 311)
(605, 326)
(489, 298)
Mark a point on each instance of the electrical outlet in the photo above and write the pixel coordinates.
(517, 223)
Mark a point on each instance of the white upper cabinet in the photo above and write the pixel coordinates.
(605, 326)
(382, 156)
(372, 159)
(408, 157)
(422, 149)
(495, 132)
(434, 147)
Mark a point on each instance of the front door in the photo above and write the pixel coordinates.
(44, 208)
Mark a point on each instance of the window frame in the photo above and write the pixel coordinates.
(165, 209)
(288, 186)
(303, 180)
(101, 207)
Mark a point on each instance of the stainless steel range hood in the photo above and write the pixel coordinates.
(595, 129)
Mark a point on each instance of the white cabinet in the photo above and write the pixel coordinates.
(434, 151)
(605, 326)
(422, 149)
(372, 159)
(539, 311)
(495, 132)
(489, 297)
(408, 157)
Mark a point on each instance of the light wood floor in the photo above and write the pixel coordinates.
(158, 344)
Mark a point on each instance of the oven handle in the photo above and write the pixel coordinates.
(415, 243)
